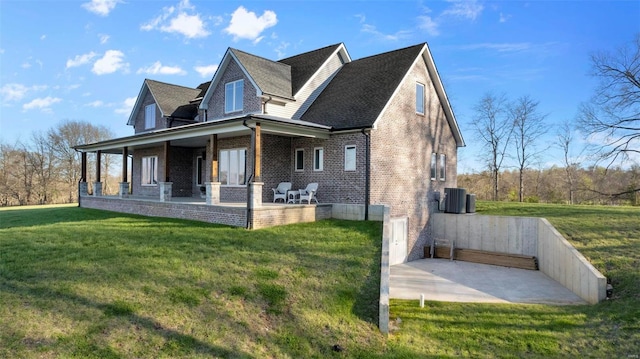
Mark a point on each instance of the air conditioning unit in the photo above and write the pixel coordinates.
(471, 203)
(455, 200)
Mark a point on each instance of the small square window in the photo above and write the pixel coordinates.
(318, 159)
(299, 165)
(350, 158)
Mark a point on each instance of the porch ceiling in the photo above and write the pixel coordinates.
(196, 135)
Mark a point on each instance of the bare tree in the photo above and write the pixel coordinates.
(571, 162)
(529, 127)
(612, 117)
(63, 138)
(494, 128)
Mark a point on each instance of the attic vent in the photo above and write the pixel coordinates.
(455, 200)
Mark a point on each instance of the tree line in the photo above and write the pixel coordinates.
(45, 169)
(511, 131)
(592, 185)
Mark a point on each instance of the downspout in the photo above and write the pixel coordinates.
(367, 173)
(249, 179)
(264, 105)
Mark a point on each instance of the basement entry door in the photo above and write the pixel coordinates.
(398, 244)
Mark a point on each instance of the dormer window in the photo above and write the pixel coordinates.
(233, 96)
(150, 116)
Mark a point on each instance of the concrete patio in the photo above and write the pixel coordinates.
(457, 281)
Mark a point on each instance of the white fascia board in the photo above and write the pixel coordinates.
(281, 128)
(163, 135)
(444, 99)
(397, 89)
(136, 106)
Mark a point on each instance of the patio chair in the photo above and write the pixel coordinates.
(309, 193)
(281, 191)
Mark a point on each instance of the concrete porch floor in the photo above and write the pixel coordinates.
(456, 281)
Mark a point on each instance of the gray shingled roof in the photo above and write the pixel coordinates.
(173, 100)
(273, 78)
(303, 66)
(360, 90)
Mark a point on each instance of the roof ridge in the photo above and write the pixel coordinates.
(170, 84)
(307, 52)
(422, 44)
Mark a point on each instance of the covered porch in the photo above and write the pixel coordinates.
(182, 166)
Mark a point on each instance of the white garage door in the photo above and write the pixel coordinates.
(398, 245)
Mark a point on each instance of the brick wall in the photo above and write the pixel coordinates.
(401, 148)
(335, 185)
(251, 103)
(138, 124)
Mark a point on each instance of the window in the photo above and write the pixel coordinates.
(150, 171)
(232, 167)
(318, 159)
(443, 166)
(433, 166)
(299, 160)
(150, 116)
(199, 168)
(233, 96)
(350, 158)
(419, 98)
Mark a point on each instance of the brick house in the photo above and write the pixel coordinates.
(372, 131)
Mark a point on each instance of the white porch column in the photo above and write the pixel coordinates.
(213, 193)
(165, 191)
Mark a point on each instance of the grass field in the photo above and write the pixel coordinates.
(83, 283)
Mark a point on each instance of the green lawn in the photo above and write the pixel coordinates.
(83, 283)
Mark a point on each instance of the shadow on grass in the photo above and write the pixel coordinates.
(178, 344)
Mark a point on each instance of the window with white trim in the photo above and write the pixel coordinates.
(350, 158)
(233, 96)
(299, 158)
(149, 171)
(434, 160)
(318, 159)
(419, 98)
(231, 170)
(150, 116)
(442, 166)
(199, 170)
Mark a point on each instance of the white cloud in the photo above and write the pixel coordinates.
(96, 103)
(111, 62)
(13, 92)
(178, 20)
(1, 51)
(100, 7)
(429, 25)
(464, 9)
(157, 68)
(280, 49)
(16, 92)
(42, 103)
(246, 25)
(43, 37)
(388, 37)
(126, 106)
(103, 38)
(25, 65)
(207, 70)
(504, 18)
(499, 47)
(80, 60)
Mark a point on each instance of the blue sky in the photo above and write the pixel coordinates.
(86, 60)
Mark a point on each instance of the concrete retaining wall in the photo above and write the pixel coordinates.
(355, 212)
(385, 272)
(557, 258)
